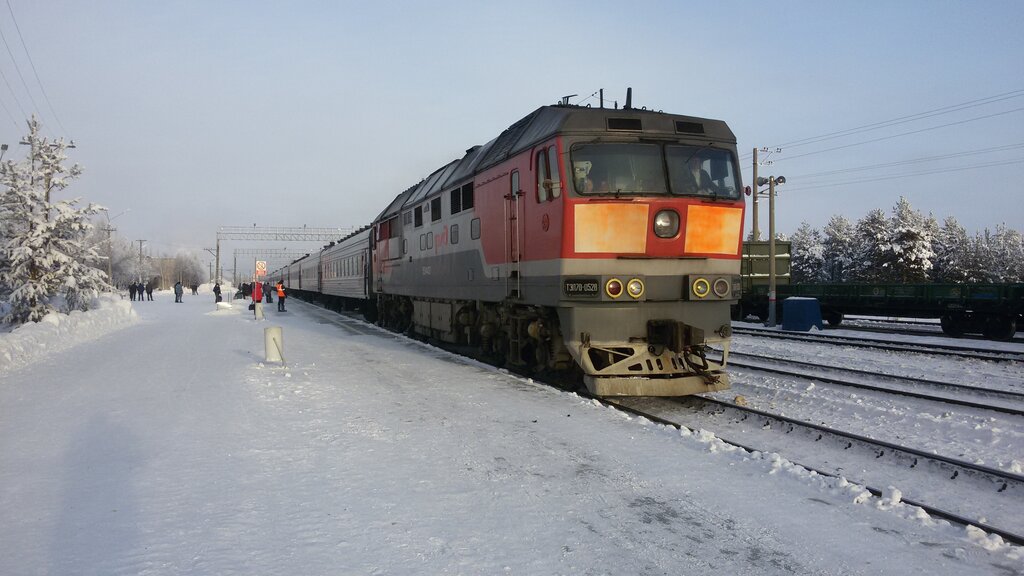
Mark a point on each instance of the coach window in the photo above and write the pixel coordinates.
(418, 216)
(456, 201)
(467, 196)
(474, 229)
(435, 209)
(453, 232)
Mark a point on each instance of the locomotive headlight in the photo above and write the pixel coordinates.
(701, 287)
(721, 287)
(635, 287)
(613, 288)
(666, 223)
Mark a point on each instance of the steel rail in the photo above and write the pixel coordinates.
(1008, 394)
(862, 386)
(938, 349)
(931, 510)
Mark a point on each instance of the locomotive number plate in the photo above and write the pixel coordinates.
(581, 287)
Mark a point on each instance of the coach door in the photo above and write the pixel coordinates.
(513, 236)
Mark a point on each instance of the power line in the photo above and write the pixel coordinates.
(13, 95)
(18, 70)
(901, 134)
(911, 161)
(33, 65)
(907, 175)
(905, 119)
(902, 119)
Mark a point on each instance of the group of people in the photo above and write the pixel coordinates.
(265, 291)
(141, 290)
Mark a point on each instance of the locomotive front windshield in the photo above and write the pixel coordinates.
(640, 169)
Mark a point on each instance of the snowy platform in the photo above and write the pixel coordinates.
(162, 444)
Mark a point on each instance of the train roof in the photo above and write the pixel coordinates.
(545, 122)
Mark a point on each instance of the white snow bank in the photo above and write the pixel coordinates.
(59, 331)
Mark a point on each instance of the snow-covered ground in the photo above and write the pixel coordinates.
(152, 438)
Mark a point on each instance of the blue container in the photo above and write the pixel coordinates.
(801, 314)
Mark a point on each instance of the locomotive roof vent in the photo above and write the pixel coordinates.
(689, 127)
(632, 124)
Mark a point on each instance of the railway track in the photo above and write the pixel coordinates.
(908, 328)
(970, 494)
(935, 349)
(1005, 401)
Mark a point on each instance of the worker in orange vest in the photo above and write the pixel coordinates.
(280, 297)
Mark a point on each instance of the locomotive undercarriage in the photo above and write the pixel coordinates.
(669, 360)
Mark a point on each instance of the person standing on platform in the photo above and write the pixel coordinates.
(280, 297)
(257, 299)
(178, 290)
(216, 292)
(131, 291)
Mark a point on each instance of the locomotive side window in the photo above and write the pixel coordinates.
(467, 196)
(556, 181)
(618, 169)
(453, 233)
(435, 209)
(418, 216)
(456, 200)
(474, 229)
(702, 171)
(514, 180)
(543, 171)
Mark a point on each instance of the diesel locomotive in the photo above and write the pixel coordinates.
(600, 242)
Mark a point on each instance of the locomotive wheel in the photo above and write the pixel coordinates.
(1001, 328)
(952, 326)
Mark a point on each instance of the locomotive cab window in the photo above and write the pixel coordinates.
(702, 171)
(619, 168)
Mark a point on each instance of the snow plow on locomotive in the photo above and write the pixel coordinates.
(600, 242)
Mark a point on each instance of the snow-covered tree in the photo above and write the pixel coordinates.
(806, 263)
(47, 262)
(838, 239)
(871, 232)
(1007, 251)
(952, 248)
(907, 250)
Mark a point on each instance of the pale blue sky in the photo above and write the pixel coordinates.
(199, 114)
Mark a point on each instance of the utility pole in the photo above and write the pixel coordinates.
(110, 252)
(772, 182)
(755, 232)
(140, 259)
